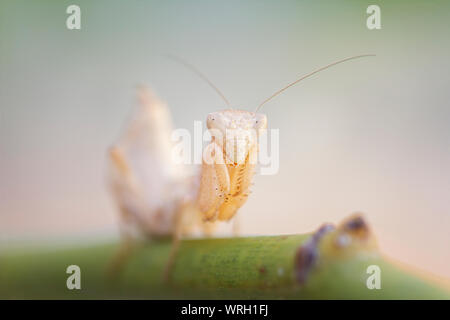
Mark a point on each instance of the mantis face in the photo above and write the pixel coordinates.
(236, 132)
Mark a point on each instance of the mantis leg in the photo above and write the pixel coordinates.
(236, 228)
(175, 243)
(241, 179)
(120, 258)
(127, 245)
(214, 183)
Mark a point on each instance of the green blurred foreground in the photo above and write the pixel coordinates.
(329, 264)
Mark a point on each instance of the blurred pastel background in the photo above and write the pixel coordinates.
(372, 135)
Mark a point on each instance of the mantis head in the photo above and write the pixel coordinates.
(236, 131)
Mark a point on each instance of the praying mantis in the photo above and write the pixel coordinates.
(160, 199)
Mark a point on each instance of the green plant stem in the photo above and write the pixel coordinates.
(323, 265)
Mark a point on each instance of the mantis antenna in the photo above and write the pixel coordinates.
(310, 74)
(200, 74)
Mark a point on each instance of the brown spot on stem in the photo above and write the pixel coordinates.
(305, 259)
(324, 229)
(357, 226)
(308, 254)
(356, 223)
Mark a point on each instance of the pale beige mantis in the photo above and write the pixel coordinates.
(160, 199)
